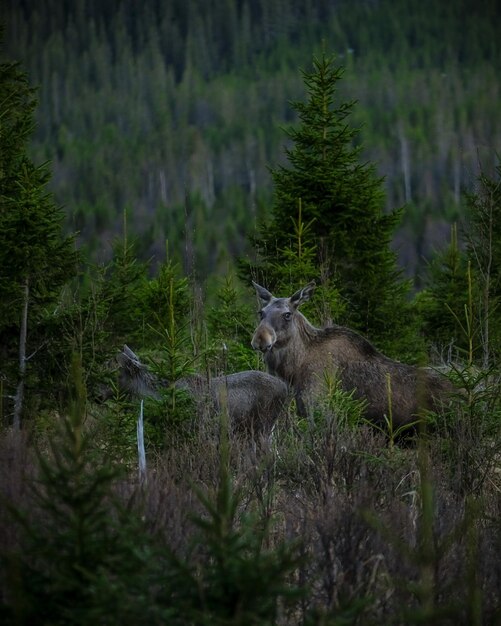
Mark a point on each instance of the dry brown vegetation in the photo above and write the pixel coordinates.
(381, 534)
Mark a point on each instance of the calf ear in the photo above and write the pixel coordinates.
(302, 295)
(263, 294)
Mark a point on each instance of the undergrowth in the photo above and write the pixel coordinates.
(324, 523)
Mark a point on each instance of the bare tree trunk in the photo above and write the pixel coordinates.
(19, 399)
(140, 444)
(405, 161)
(457, 180)
(487, 286)
(482, 245)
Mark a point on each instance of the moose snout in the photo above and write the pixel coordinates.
(264, 339)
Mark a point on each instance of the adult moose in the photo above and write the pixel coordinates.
(302, 355)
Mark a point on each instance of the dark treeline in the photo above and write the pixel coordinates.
(173, 111)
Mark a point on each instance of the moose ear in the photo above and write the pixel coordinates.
(302, 295)
(264, 295)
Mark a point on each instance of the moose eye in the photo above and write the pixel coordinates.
(287, 316)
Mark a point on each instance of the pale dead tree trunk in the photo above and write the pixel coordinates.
(140, 445)
(405, 160)
(189, 246)
(457, 180)
(486, 270)
(482, 247)
(19, 399)
(163, 186)
(210, 193)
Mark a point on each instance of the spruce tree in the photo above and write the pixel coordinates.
(460, 305)
(36, 258)
(230, 322)
(125, 290)
(441, 304)
(343, 204)
(484, 252)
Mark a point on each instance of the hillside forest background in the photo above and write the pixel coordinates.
(173, 112)
(155, 158)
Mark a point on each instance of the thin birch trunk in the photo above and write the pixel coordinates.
(140, 445)
(405, 161)
(19, 399)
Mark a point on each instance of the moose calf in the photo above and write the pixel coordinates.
(254, 400)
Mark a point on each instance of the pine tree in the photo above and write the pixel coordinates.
(441, 303)
(342, 202)
(36, 258)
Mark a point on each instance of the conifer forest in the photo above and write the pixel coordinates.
(250, 312)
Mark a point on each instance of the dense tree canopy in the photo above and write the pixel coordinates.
(173, 110)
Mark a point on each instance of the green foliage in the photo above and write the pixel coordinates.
(301, 254)
(442, 301)
(230, 325)
(168, 304)
(484, 252)
(428, 554)
(82, 326)
(296, 265)
(392, 432)
(96, 316)
(184, 101)
(172, 353)
(240, 580)
(36, 258)
(84, 558)
(460, 303)
(469, 433)
(124, 290)
(115, 431)
(170, 419)
(120, 304)
(347, 410)
(341, 212)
